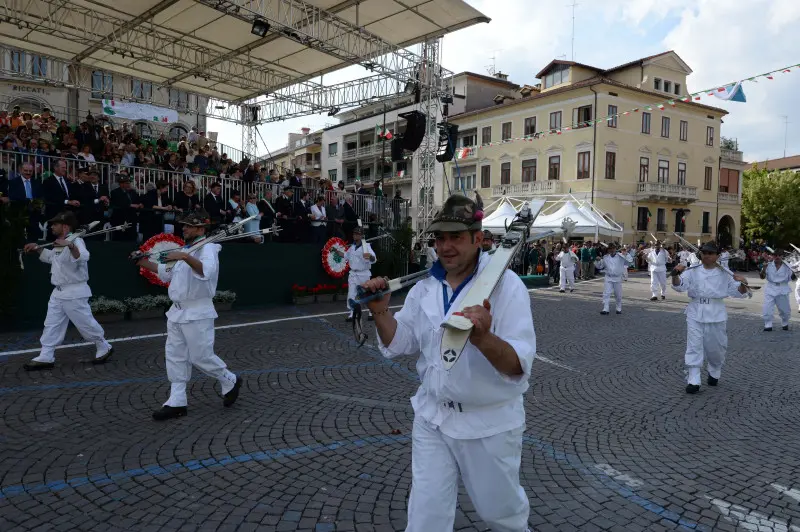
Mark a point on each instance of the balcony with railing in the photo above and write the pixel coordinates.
(727, 197)
(532, 188)
(733, 156)
(364, 152)
(665, 192)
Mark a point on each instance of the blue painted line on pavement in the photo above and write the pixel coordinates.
(193, 465)
(577, 464)
(139, 380)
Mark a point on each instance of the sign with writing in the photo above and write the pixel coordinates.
(30, 89)
(139, 111)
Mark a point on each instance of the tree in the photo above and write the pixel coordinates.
(729, 144)
(771, 206)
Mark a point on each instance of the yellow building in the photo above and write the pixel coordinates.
(652, 170)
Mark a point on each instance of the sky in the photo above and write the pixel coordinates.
(721, 40)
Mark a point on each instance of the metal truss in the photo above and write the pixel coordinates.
(432, 84)
(321, 30)
(147, 43)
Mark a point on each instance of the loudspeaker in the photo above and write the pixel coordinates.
(415, 129)
(448, 138)
(397, 148)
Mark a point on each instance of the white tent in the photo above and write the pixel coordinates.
(588, 221)
(503, 214)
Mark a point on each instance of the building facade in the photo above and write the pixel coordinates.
(651, 169)
(356, 149)
(22, 83)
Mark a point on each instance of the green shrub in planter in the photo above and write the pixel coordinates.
(223, 299)
(145, 307)
(107, 310)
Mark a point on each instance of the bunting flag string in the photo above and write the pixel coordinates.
(463, 153)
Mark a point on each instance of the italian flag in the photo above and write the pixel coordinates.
(401, 173)
(649, 215)
(383, 134)
(463, 153)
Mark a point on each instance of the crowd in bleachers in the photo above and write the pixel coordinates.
(114, 176)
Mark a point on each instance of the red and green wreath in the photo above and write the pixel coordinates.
(335, 265)
(157, 244)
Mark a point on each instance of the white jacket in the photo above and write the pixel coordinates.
(708, 288)
(656, 262)
(355, 257)
(68, 275)
(777, 280)
(491, 401)
(614, 266)
(192, 294)
(567, 259)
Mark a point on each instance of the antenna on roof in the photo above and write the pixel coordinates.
(492, 69)
(573, 5)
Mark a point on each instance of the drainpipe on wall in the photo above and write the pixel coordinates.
(594, 139)
(716, 216)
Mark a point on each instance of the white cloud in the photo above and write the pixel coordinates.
(722, 41)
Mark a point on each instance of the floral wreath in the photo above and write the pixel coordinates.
(157, 244)
(335, 265)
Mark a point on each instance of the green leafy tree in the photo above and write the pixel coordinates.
(771, 206)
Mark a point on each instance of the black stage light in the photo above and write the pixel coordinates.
(260, 27)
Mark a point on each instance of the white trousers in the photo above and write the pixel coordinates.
(567, 277)
(354, 280)
(707, 341)
(490, 471)
(784, 310)
(797, 293)
(658, 279)
(59, 313)
(192, 344)
(609, 287)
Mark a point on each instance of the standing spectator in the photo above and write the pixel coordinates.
(58, 192)
(251, 209)
(284, 207)
(95, 200)
(125, 205)
(319, 223)
(156, 202)
(214, 205)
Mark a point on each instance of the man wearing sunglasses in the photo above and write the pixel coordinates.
(706, 317)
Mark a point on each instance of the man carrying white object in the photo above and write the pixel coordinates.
(471, 418)
(360, 257)
(776, 293)
(190, 319)
(614, 265)
(657, 265)
(567, 260)
(69, 275)
(706, 316)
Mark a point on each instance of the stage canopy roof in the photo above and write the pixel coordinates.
(206, 46)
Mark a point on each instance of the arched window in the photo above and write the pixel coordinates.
(177, 131)
(143, 130)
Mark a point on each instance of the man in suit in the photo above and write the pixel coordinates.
(267, 214)
(156, 202)
(95, 200)
(59, 193)
(302, 212)
(22, 190)
(125, 205)
(285, 215)
(214, 205)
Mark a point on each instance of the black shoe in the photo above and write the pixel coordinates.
(604, 312)
(785, 327)
(349, 319)
(104, 358)
(654, 298)
(692, 388)
(712, 381)
(663, 297)
(33, 365)
(571, 290)
(619, 312)
(229, 398)
(561, 291)
(767, 329)
(169, 412)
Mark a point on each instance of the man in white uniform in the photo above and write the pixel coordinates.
(190, 319)
(360, 257)
(776, 293)
(657, 265)
(471, 418)
(69, 275)
(725, 258)
(614, 265)
(706, 317)
(567, 260)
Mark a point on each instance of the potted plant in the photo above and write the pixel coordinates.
(326, 293)
(107, 310)
(145, 307)
(223, 300)
(301, 295)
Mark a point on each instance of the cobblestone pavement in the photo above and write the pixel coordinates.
(319, 439)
